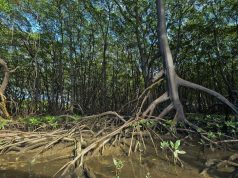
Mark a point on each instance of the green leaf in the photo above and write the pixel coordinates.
(177, 144)
(181, 152)
(5, 6)
(171, 144)
(114, 161)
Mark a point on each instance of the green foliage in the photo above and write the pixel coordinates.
(202, 142)
(174, 147)
(211, 135)
(51, 120)
(232, 126)
(164, 145)
(176, 150)
(169, 123)
(144, 123)
(5, 6)
(119, 164)
(62, 46)
(34, 121)
(3, 123)
(34, 36)
(216, 125)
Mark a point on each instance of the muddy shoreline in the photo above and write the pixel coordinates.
(138, 165)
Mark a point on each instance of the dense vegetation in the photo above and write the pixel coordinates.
(94, 56)
(90, 74)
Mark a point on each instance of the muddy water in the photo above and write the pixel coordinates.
(23, 165)
(151, 165)
(144, 165)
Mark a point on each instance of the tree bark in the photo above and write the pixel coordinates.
(3, 87)
(170, 74)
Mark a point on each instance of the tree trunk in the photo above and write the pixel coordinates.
(172, 79)
(3, 87)
(169, 69)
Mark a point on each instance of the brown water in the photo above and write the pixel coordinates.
(146, 165)
(22, 165)
(158, 166)
(13, 166)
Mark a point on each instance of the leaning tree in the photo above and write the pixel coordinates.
(3, 87)
(172, 79)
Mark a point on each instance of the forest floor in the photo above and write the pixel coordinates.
(103, 147)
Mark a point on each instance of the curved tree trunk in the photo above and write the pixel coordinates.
(3, 87)
(172, 79)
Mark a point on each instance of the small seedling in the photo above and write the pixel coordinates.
(164, 145)
(3, 123)
(119, 164)
(148, 175)
(176, 150)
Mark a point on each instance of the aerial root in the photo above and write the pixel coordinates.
(166, 110)
(135, 143)
(120, 135)
(93, 148)
(149, 111)
(108, 113)
(188, 84)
